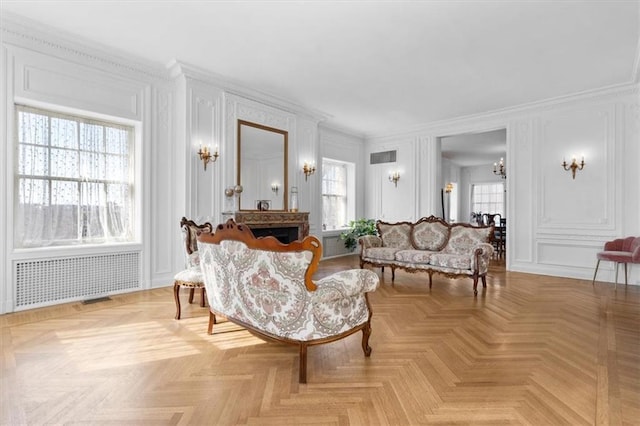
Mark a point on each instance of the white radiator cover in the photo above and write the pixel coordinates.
(44, 282)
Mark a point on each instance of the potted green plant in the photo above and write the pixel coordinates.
(358, 228)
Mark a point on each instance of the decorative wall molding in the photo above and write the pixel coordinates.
(241, 90)
(21, 31)
(503, 115)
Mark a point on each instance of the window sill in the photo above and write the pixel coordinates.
(333, 232)
(75, 250)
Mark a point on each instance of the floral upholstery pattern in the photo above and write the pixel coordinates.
(266, 290)
(464, 239)
(414, 256)
(395, 235)
(429, 235)
(381, 253)
(434, 246)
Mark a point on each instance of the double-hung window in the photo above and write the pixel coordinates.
(74, 180)
(336, 207)
(487, 198)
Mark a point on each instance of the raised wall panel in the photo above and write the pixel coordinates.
(586, 202)
(49, 80)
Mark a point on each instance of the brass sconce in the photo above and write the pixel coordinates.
(308, 169)
(574, 165)
(206, 155)
(499, 169)
(394, 177)
(275, 187)
(448, 188)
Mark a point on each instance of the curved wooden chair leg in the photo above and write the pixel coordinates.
(176, 296)
(191, 290)
(475, 284)
(212, 320)
(430, 272)
(302, 378)
(366, 332)
(484, 281)
(393, 274)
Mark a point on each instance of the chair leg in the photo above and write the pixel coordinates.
(191, 290)
(366, 332)
(302, 378)
(212, 320)
(616, 284)
(202, 297)
(625, 274)
(176, 296)
(594, 274)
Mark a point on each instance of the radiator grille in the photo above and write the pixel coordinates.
(50, 281)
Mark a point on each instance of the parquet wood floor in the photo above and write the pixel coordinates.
(530, 350)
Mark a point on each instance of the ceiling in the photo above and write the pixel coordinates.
(372, 67)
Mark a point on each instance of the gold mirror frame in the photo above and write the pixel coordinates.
(251, 142)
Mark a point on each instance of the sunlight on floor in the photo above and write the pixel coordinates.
(123, 345)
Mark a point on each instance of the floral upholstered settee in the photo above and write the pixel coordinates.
(267, 287)
(430, 245)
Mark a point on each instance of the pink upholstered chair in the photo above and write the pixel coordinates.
(621, 250)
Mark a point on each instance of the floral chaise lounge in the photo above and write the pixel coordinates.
(267, 287)
(430, 245)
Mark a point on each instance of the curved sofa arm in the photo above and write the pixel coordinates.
(368, 241)
(345, 284)
(483, 253)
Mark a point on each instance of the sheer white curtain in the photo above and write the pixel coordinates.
(334, 194)
(74, 179)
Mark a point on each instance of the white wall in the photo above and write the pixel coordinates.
(41, 70)
(556, 224)
(342, 146)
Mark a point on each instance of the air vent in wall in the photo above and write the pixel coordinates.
(383, 157)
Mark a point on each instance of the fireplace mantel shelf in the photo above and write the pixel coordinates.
(273, 220)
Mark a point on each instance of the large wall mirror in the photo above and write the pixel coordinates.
(262, 166)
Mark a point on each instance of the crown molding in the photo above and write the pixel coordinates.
(331, 127)
(178, 68)
(23, 32)
(505, 114)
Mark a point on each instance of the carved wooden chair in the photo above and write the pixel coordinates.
(191, 276)
(267, 287)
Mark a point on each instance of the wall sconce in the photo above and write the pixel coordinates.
(499, 169)
(448, 188)
(394, 177)
(205, 155)
(574, 165)
(308, 169)
(275, 187)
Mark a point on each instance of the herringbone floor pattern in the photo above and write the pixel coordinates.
(531, 350)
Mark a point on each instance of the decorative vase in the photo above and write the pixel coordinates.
(293, 202)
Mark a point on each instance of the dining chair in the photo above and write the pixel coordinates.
(621, 250)
(190, 277)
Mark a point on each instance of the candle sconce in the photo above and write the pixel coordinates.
(574, 166)
(394, 177)
(206, 156)
(308, 169)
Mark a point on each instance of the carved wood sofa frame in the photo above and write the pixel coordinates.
(481, 254)
(345, 285)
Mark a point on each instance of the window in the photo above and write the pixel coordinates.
(74, 180)
(487, 198)
(337, 192)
